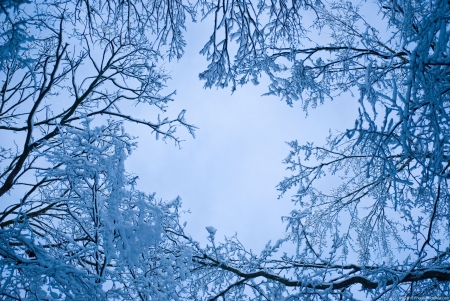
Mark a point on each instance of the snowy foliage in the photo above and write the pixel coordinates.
(80, 230)
(73, 226)
(87, 233)
(383, 226)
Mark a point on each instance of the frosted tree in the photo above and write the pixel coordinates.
(380, 230)
(88, 233)
(73, 226)
(70, 71)
(95, 55)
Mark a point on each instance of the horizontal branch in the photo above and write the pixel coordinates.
(412, 276)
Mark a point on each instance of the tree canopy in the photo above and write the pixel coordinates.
(81, 230)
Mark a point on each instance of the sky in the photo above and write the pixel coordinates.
(227, 175)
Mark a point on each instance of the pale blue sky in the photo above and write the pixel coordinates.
(227, 175)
